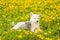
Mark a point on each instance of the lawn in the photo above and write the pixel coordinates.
(19, 10)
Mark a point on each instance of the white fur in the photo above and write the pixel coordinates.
(33, 21)
(34, 24)
(21, 25)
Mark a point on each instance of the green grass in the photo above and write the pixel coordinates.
(19, 10)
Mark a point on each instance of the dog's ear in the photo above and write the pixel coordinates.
(31, 13)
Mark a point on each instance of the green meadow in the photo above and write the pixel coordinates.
(19, 10)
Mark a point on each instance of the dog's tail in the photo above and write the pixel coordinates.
(13, 23)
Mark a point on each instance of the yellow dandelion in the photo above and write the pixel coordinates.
(53, 18)
(43, 19)
(2, 2)
(45, 33)
(58, 38)
(49, 32)
(58, 23)
(59, 28)
(56, 15)
(49, 39)
(26, 32)
(58, 7)
(10, 20)
(46, 20)
(22, 18)
(10, 12)
(51, 6)
(37, 30)
(50, 20)
(43, 15)
(0, 38)
(40, 36)
(38, 3)
(19, 36)
(6, 8)
(6, 32)
(11, 6)
(51, 2)
(4, 16)
(1, 24)
(27, 15)
(16, 7)
(31, 33)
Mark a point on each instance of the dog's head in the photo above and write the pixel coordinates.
(35, 17)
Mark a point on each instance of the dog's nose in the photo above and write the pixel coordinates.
(37, 21)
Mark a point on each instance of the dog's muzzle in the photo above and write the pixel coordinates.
(37, 21)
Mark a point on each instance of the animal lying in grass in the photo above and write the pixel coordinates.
(33, 24)
(21, 25)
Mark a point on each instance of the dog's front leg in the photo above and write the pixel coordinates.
(32, 29)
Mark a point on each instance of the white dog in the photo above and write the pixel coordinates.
(33, 24)
(21, 25)
(34, 20)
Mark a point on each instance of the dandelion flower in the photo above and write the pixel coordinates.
(22, 18)
(49, 39)
(26, 32)
(58, 23)
(59, 28)
(58, 38)
(19, 36)
(31, 33)
(0, 38)
(4, 16)
(45, 33)
(1, 24)
(37, 30)
(49, 32)
(6, 32)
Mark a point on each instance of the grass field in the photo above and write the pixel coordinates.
(19, 10)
